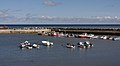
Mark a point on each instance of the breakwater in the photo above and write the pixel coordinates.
(38, 30)
(97, 31)
(20, 31)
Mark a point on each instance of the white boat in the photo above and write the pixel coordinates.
(28, 45)
(36, 46)
(24, 44)
(85, 35)
(90, 35)
(95, 37)
(47, 43)
(81, 45)
(86, 44)
(70, 46)
(104, 37)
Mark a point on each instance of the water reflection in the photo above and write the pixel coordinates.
(72, 49)
(48, 48)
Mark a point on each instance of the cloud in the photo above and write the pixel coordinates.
(50, 3)
(8, 16)
(4, 14)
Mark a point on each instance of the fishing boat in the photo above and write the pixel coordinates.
(47, 43)
(85, 35)
(86, 44)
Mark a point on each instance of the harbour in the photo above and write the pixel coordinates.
(104, 52)
(59, 33)
(51, 46)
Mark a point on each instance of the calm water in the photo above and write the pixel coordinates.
(63, 25)
(104, 53)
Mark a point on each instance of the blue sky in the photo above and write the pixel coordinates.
(27, 9)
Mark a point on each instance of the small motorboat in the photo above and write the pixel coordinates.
(95, 37)
(85, 35)
(116, 39)
(104, 37)
(47, 43)
(24, 44)
(70, 45)
(36, 46)
(86, 44)
(81, 45)
(28, 45)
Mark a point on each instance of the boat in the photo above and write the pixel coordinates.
(3, 27)
(70, 45)
(90, 35)
(36, 46)
(86, 44)
(53, 34)
(85, 35)
(24, 44)
(47, 43)
(81, 45)
(116, 39)
(104, 37)
(28, 45)
(95, 37)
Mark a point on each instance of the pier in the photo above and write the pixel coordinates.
(40, 30)
(97, 31)
(20, 31)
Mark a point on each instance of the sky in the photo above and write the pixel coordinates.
(59, 11)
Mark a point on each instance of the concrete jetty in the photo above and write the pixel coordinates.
(12, 31)
(40, 30)
(97, 31)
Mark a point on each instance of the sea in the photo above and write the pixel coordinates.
(104, 52)
(63, 25)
